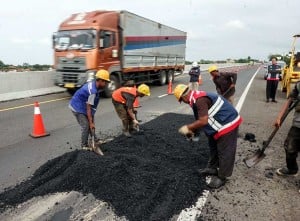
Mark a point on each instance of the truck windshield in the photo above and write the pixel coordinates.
(75, 40)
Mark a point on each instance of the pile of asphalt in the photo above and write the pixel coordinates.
(151, 176)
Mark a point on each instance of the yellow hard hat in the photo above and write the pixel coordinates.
(144, 89)
(179, 90)
(212, 68)
(103, 74)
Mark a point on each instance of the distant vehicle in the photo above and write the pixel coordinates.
(281, 63)
(130, 47)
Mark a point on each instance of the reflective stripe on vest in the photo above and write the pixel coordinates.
(229, 119)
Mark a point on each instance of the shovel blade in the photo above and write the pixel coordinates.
(98, 151)
(255, 159)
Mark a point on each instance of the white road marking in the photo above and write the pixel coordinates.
(163, 95)
(193, 212)
(243, 97)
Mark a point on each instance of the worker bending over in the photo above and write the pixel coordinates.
(224, 81)
(84, 104)
(220, 122)
(123, 99)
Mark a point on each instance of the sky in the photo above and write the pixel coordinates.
(216, 29)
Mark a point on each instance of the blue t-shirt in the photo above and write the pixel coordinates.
(87, 94)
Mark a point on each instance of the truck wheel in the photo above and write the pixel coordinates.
(111, 86)
(71, 91)
(170, 76)
(162, 77)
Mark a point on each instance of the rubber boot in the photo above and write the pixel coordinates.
(208, 171)
(216, 182)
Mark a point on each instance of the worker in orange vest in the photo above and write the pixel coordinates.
(123, 100)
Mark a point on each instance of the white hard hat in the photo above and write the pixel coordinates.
(195, 64)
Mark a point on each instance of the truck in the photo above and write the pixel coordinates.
(291, 73)
(133, 49)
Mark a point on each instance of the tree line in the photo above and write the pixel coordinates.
(24, 67)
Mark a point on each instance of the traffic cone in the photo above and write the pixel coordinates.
(200, 80)
(38, 125)
(170, 87)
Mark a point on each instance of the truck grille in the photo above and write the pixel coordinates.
(71, 64)
(70, 77)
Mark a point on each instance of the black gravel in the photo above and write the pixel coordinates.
(151, 176)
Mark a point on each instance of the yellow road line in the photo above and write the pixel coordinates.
(28, 105)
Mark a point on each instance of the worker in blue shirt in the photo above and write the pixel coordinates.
(84, 105)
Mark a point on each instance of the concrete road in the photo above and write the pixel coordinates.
(21, 155)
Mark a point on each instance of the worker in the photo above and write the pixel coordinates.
(194, 76)
(224, 82)
(84, 105)
(292, 141)
(220, 122)
(273, 76)
(123, 100)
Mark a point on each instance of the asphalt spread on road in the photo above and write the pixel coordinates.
(151, 176)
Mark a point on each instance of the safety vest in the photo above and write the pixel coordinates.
(222, 116)
(117, 94)
(274, 72)
(80, 98)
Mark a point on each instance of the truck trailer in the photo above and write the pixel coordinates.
(133, 49)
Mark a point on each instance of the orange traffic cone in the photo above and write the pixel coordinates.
(200, 80)
(38, 125)
(170, 87)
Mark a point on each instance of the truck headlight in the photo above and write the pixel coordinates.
(90, 75)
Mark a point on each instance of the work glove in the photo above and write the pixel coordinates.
(135, 123)
(184, 130)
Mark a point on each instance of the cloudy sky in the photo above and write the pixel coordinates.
(216, 29)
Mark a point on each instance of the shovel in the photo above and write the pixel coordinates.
(259, 154)
(137, 128)
(97, 150)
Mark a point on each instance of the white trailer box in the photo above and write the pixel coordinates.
(147, 43)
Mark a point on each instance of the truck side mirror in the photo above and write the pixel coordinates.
(54, 39)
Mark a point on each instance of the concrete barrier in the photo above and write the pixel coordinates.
(17, 85)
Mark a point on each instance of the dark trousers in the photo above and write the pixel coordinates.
(222, 153)
(292, 147)
(271, 89)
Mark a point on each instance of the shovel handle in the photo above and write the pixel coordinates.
(97, 149)
(267, 142)
(93, 137)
